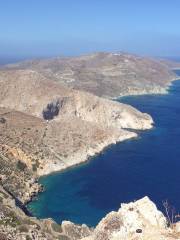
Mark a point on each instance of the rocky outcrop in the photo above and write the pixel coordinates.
(135, 220)
(74, 231)
(132, 220)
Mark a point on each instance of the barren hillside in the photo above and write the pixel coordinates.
(105, 74)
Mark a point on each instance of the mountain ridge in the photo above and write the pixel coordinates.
(104, 74)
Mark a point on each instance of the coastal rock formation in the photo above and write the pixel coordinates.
(106, 74)
(135, 220)
(50, 127)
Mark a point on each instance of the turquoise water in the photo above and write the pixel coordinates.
(148, 165)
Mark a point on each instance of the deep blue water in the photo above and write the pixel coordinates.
(148, 165)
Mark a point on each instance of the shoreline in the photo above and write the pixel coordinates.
(93, 155)
(83, 159)
(94, 152)
(89, 157)
(156, 90)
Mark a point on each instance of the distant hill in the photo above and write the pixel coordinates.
(106, 74)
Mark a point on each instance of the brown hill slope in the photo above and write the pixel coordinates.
(105, 74)
(79, 124)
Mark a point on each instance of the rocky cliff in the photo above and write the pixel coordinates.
(52, 127)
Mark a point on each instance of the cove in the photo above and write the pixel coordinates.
(148, 165)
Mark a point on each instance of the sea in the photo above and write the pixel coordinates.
(146, 166)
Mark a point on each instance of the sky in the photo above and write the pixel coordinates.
(42, 28)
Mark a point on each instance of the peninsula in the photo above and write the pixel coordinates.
(55, 114)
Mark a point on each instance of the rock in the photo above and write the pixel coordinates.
(177, 227)
(75, 232)
(135, 219)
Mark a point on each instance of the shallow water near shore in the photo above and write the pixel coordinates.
(148, 165)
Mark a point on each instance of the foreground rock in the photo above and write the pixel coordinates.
(106, 74)
(135, 220)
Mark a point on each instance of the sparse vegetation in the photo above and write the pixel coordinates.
(51, 110)
(171, 214)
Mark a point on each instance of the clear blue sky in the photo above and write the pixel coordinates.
(32, 28)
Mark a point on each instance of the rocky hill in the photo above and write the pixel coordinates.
(106, 74)
(56, 127)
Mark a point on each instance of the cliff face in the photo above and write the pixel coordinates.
(106, 74)
(52, 127)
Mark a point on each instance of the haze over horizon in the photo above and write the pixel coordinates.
(51, 28)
